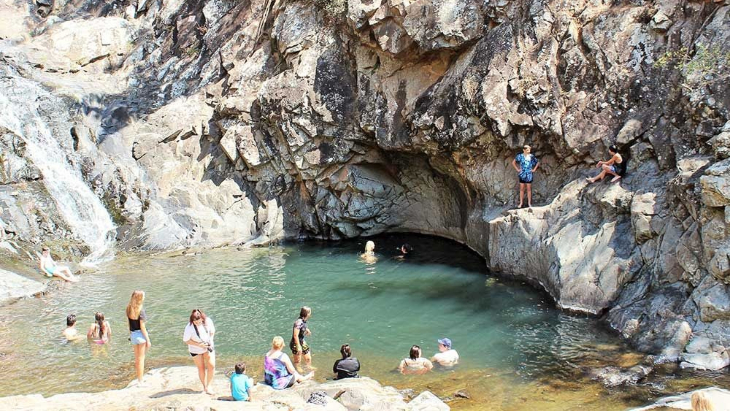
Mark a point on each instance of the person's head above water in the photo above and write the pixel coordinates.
(415, 352)
(305, 313)
(70, 320)
(369, 247)
(406, 248)
(444, 343)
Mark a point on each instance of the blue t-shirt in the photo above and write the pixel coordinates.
(240, 384)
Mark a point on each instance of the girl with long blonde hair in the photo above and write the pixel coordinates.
(138, 331)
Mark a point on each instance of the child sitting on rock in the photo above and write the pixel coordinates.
(241, 384)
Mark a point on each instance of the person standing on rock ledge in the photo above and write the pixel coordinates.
(525, 164)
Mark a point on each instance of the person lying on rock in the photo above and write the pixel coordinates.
(525, 164)
(447, 356)
(50, 269)
(612, 166)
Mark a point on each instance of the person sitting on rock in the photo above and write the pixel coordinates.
(241, 383)
(71, 333)
(612, 166)
(279, 371)
(369, 254)
(415, 364)
(50, 269)
(348, 366)
(447, 356)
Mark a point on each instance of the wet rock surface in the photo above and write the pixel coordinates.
(211, 123)
(14, 286)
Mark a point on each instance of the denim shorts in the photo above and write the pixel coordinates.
(137, 338)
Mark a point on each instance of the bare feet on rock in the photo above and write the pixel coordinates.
(615, 179)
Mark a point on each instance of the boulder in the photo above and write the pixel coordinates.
(14, 286)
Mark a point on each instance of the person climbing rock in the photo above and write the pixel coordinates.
(525, 164)
(613, 166)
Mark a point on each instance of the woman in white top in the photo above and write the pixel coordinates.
(50, 269)
(199, 337)
(415, 364)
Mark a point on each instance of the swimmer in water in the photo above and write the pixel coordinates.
(100, 332)
(369, 254)
(71, 333)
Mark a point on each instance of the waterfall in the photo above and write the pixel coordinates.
(80, 207)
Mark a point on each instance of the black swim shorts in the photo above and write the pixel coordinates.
(293, 346)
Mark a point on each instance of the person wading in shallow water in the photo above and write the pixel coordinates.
(298, 345)
(525, 164)
(100, 332)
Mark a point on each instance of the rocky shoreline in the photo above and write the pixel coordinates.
(179, 388)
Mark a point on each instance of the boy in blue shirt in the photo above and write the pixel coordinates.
(241, 384)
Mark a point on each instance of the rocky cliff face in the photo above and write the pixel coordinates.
(244, 122)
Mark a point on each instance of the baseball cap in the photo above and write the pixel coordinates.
(445, 341)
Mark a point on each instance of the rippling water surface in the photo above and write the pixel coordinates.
(517, 351)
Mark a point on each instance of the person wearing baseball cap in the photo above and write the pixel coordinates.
(447, 356)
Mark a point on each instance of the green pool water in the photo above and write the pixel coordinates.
(516, 349)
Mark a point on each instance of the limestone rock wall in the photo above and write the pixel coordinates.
(243, 122)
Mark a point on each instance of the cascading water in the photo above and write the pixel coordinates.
(77, 203)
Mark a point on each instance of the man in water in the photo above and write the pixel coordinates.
(405, 249)
(447, 356)
(49, 267)
(71, 333)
